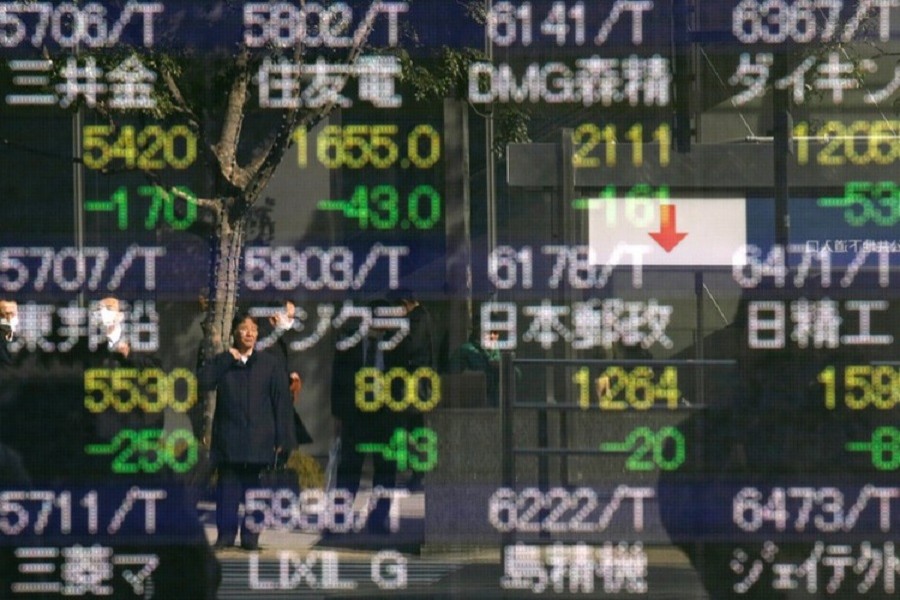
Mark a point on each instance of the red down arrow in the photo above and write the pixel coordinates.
(667, 237)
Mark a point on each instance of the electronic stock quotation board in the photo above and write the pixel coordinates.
(656, 241)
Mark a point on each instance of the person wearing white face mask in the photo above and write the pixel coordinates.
(115, 349)
(113, 356)
(111, 317)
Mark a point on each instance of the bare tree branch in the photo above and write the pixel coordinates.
(263, 165)
(226, 148)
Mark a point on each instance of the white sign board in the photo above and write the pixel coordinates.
(666, 231)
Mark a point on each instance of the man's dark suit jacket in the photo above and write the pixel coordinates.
(254, 413)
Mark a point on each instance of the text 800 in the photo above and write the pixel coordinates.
(421, 389)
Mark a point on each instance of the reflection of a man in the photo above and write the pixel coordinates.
(252, 426)
(9, 324)
(765, 445)
(38, 402)
(12, 469)
(114, 349)
(479, 355)
(46, 430)
(357, 427)
(13, 474)
(276, 334)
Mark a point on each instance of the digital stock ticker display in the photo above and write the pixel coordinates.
(561, 298)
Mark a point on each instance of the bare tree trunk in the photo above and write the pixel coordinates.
(225, 272)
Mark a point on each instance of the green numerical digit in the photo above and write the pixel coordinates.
(386, 213)
(157, 197)
(149, 445)
(358, 206)
(641, 458)
(886, 448)
(181, 450)
(153, 448)
(887, 196)
(414, 202)
(424, 444)
(664, 449)
(659, 449)
(180, 194)
(397, 449)
(118, 202)
(121, 463)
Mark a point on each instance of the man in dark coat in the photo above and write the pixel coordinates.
(473, 356)
(114, 352)
(358, 428)
(51, 418)
(276, 333)
(252, 426)
(9, 322)
(415, 351)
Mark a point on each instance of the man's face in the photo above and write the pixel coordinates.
(108, 312)
(490, 339)
(245, 335)
(9, 317)
(8, 310)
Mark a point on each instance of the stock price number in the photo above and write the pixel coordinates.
(380, 208)
(864, 202)
(149, 450)
(56, 512)
(859, 143)
(864, 386)
(177, 207)
(883, 447)
(148, 390)
(376, 146)
(562, 510)
(415, 450)
(148, 149)
(649, 450)
(397, 389)
(637, 388)
(589, 137)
